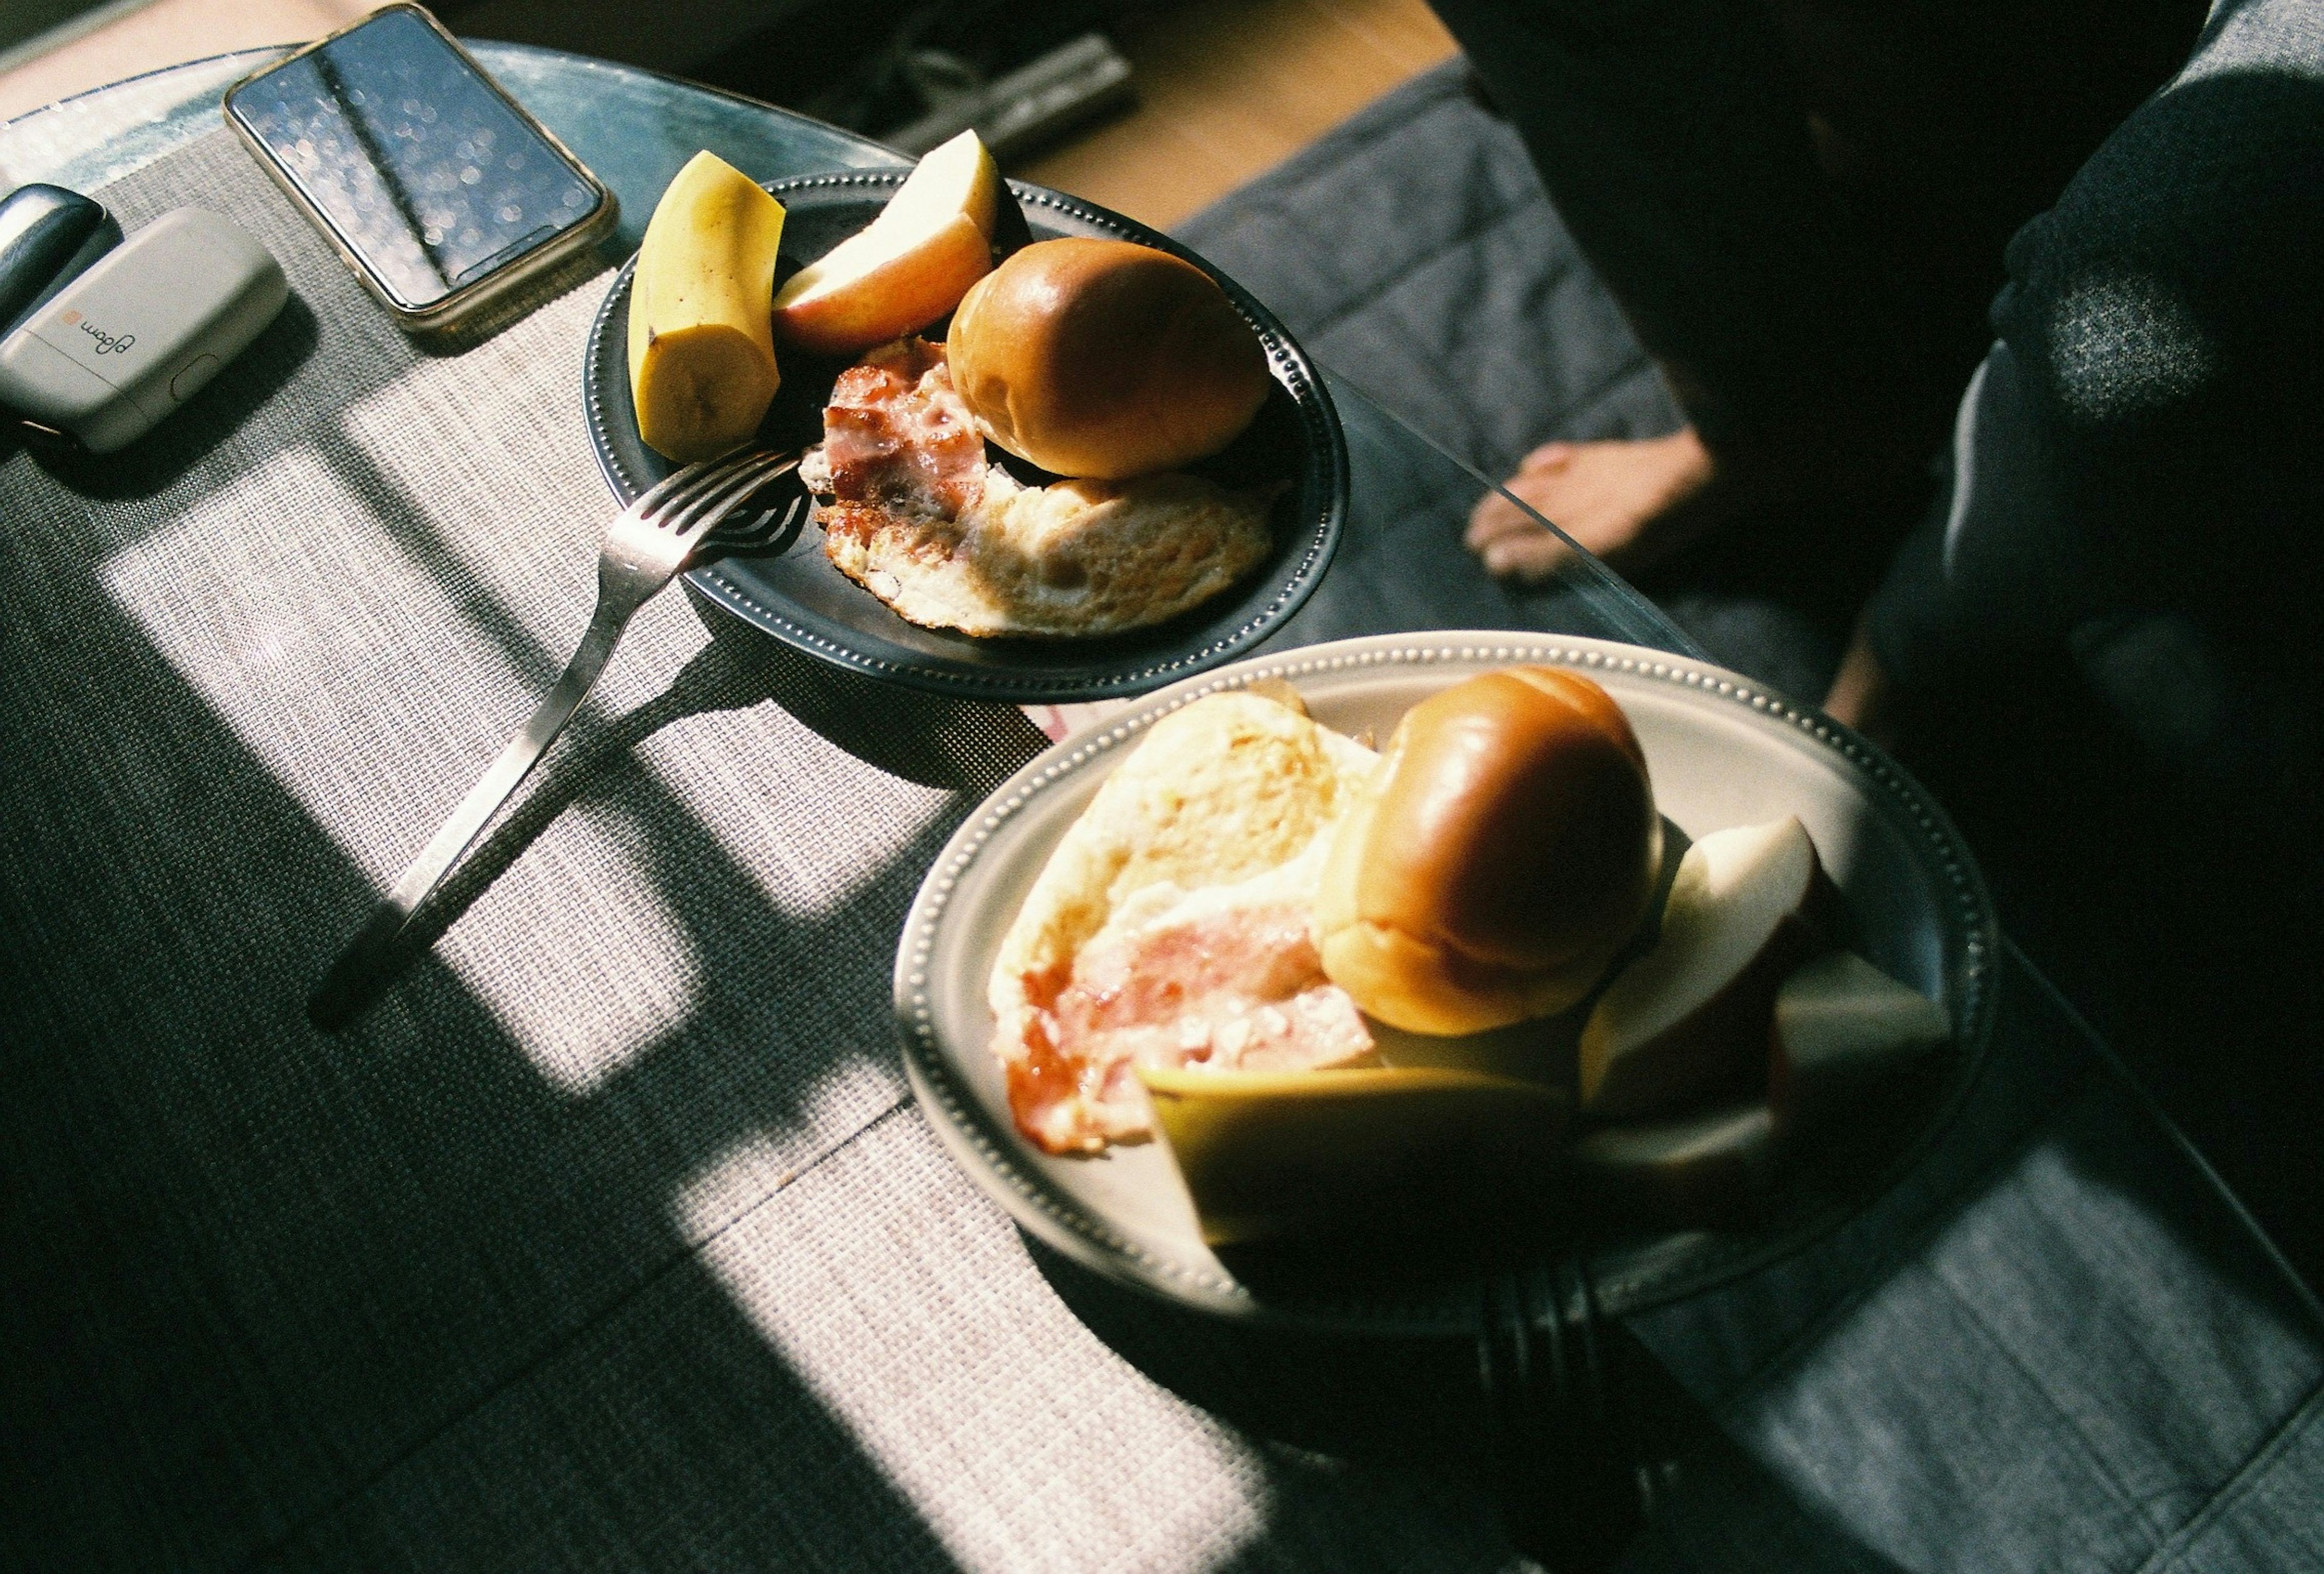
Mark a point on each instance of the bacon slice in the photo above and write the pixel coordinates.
(1231, 985)
(897, 433)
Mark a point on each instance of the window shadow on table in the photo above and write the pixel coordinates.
(328, 1283)
(1396, 1407)
(961, 746)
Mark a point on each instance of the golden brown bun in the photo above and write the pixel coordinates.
(1506, 850)
(1104, 359)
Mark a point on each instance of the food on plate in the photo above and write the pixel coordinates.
(702, 360)
(1105, 359)
(1181, 965)
(1502, 855)
(909, 267)
(1170, 925)
(1688, 1018)
(1106, 363)
(1844, 1033)
(1708, 1168)
(1304, 1153)
(912, 512)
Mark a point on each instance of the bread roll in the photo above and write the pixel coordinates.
(1105, 359)
(1505, 850)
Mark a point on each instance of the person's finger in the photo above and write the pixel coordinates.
(1502, 520)
(1548, 456)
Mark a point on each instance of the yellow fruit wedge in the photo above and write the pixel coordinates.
(906, 268)
(1274, 1154)
(702, 351)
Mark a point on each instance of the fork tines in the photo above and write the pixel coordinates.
(691, 500)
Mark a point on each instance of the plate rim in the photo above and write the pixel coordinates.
(1289, 365)
(1629, 1277)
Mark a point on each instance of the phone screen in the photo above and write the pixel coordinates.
(424, 171)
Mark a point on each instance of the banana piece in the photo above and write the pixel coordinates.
(702, 350)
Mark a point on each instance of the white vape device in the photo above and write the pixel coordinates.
(121, 346)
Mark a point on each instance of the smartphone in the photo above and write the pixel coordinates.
(441, 192)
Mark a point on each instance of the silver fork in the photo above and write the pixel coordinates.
(645, 547)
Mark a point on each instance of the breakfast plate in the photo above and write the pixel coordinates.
(1722, 752)
(798, 596)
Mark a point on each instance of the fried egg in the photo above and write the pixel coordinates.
(1171, 926)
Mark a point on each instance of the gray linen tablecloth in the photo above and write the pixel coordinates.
(609, 1239)
(608, 1235)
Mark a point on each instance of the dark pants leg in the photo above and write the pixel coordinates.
(1812, 293)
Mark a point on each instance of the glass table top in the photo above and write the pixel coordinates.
(635, 128)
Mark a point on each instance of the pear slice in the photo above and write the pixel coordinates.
(1844, 1034)
(1688, 1019)
(909, 267)
(1275, 1155)
(1700, 1172)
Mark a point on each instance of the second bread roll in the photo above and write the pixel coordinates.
(1505, 852)
(1105, 359)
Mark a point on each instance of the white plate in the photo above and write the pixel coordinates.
(1722, 752)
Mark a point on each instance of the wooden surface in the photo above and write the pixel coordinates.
(1230, 87)
(1226, 87)
(162, 35)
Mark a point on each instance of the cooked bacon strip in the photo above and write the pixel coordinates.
(1233, 988)
(895, 432)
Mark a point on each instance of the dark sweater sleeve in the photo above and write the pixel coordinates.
(2141, 447)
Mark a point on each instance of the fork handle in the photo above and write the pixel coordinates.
(334, 999)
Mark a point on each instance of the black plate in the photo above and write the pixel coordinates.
(798, 597)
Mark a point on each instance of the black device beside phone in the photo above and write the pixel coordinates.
(48, 238)
(436, 188)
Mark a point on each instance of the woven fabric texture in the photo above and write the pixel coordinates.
(549, 1258)
(610, 1238)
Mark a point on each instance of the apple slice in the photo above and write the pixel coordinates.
(1689, 1018)
(1844, 1033)
(906, 268)
(1697, 1173)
